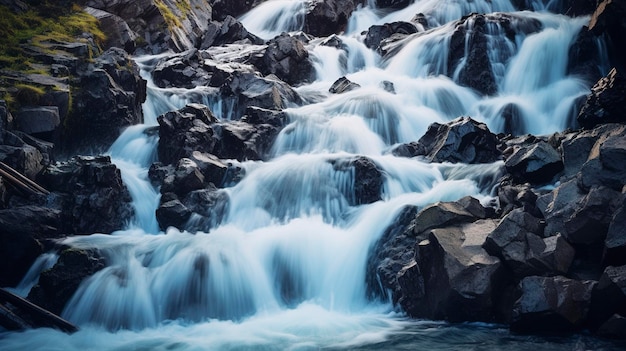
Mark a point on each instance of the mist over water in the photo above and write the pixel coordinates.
(285, 269)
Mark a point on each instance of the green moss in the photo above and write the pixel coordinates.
(170, 18)
(184, 7)
(27, 94)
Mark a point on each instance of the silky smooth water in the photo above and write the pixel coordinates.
(285, 268)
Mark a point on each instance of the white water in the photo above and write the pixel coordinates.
(286, 267)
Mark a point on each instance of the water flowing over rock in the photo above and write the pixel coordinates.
(287, 58)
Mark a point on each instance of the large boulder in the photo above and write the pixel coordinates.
(368, 179)
(608, 21)
(183, 70)
(228, 31)
(609, 296)
(118, 32)
(288, 59)
(19, 155)
(605, 104)
(615, 243)
(107, 97)
(461, 280)
(57, 285)
(376, 34)
(552, 304)
(444, 214)
(604, 164)
(536, 163)
(326, 17)
(90, 194)
(462, 140)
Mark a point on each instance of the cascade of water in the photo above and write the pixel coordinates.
(273, 17)
(43, 262)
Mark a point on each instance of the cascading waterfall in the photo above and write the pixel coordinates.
(285, 268)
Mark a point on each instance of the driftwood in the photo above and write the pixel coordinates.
(21, 182)
(17, 313)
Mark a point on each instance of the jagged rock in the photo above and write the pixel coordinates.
(551, 304)
(110, 95)
(327, 17)
(577, 146)
(213, 170)
(583, 57)
(36, 120)
(368, 179)
(613, 328)
(461, 140)
(608, 21)
(118, 32)
(242, 141)
(343, 85)
(604, 164)
(518, 243)
(609, 297)
(256, 115)
(20, 156)
(90, 194)
(228, 31)
(22, 229)
(288, 59)
(183, 70)
(57, 285)
(377, 33)
(605, 104)
(184, 131)
(536, 163)
(461, 280)
(388, 86)
(242, 90)
(511, 196)
(615, 243)
(187, 177)
(442, 214)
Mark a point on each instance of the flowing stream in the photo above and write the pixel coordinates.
(286, 267)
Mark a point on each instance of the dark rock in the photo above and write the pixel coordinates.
(461, 140)
(172, 214)
(376, 34)
(118, 32)
(615, 244)
(605, 104)
(243, 141)
(90, 194)
(613, 328)
(343, 85)
(551, 304)
(41, 119)
(110, 95)
(394, 251)
(513, 121)
(324, 18)
(287, 58)
(511, 196)
(234, 8)
(608, 21)
(388, 86)
(57, 285)
(604, 164)
(517, 242)
(183, 70)
(461, 280)
(256, 115)
(229, 31)
(22, 228)
(20, 156)
(396, 4)
(537, 163)
(609, 297)
(590, 220)
(441, 214)
(184, 131)
(213, 170)
(368, 179)
(209, 207)
(583, 57)
(187, 177)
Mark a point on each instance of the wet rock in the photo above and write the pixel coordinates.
(118, 32)
(183, 70)
(343, 85)
(187, 177)
(242, 141)
(536, 163)
(235, 8)
(90, 194)
(583, 57)
(514, 123)
(256, 115)
(228, 31)
(396, 4)
(461, 280)
(208, 206)
(172, 213)
(368, 179)
(613, 328)
(461, 140)
(327, 17)
(212, 168)
(20, 156)
(393, 252)
(376, 34)
(551, 304)
(110, 95)
(242, 90)
(609, 296)
(57, 285)
(605, 104)
(511, 196)
(22, 229)
(184, 131)
(288, 59)
(608, 21)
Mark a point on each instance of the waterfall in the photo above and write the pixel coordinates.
(286, 266)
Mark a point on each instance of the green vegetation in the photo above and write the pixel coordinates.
(28, 94)
(170, 18)
(35, 28)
